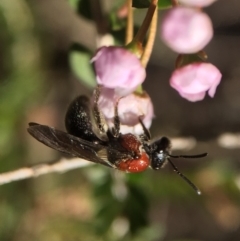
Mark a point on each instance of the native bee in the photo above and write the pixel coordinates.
(87, 137)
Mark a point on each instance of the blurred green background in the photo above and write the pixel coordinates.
(41, 72)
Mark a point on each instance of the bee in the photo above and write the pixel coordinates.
(89, 138)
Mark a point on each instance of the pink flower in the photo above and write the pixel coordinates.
(186, 30)
(119, 69)
(193, 80)
(130, 108)
(133, 106)
(197, 3)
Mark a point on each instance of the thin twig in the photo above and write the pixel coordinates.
(146, 22)
(150, 42)
(129, 28)
(63, 165)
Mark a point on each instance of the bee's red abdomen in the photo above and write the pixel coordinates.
(135, 165)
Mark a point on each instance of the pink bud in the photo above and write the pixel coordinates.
(197, 3)
(186, 30)
(193, 80)
(133, 106)
(130, 108)
(106, 102)
(119, 69)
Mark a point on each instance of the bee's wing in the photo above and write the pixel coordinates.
(66, 143)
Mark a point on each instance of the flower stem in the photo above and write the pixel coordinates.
(129, 29)
(146, 22)
(150, 41)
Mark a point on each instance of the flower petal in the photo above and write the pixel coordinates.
(118, 68)
(130, 108)
(186, 30)
(193, 80)
(197, 3)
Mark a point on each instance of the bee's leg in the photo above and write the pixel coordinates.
(146, 136)
(99, 120)
(116, 121)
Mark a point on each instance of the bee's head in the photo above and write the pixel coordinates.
(160, 152)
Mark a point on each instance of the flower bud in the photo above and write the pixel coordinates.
(193, 80)
(186, 30)
(197, 3)
(119, 69)
(130, 108)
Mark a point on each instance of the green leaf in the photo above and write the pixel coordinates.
(79, 59)
(162, 4)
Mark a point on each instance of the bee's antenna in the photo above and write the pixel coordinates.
(183, 177)
(189, 156)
